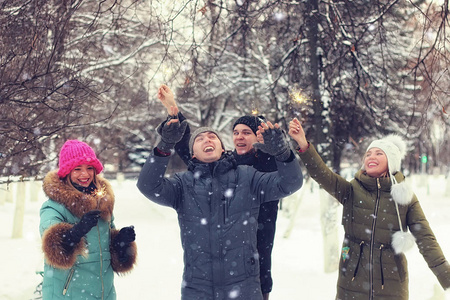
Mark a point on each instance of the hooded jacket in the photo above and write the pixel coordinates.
(217, 206)
(268, 211)
(369, 267)
(86, 272)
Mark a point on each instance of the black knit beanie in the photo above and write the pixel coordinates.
(251, 121)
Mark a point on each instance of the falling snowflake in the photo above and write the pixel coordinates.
(234, 293)
(229, 193)
(279, 16)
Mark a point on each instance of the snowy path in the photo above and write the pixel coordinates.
(297, 260)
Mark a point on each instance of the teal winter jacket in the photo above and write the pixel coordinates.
(88, 271)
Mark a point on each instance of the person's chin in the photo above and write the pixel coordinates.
(373, 174)
(207, 158)
(241, 151)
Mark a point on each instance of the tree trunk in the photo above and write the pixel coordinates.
(327, 209)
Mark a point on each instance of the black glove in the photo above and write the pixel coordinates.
(170, 134)
(74, 235)
(275, 144)
(122, 241)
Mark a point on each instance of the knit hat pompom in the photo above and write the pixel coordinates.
(402, 241)
(399, 142)
(74, 153)
(199, 131)
(402, 193)
(251, 121)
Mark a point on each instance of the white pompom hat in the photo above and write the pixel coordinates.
(395, 149)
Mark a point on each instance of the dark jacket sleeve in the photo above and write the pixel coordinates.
(427, 243)
(275, 185)
(266, 162)
(153, 184)
(333, 183)
(182, 147)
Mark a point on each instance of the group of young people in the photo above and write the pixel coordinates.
(227, 204)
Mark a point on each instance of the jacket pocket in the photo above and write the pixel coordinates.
(68, 280)
(251, 262)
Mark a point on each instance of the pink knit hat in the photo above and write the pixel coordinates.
(74, 153)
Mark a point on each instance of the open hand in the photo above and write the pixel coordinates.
(165, 95)
(275, 143)
(297, 133)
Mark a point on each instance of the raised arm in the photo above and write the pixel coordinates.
(167, 98)
(298, 134)
(151, 181)
(333, 183)
(289, 177)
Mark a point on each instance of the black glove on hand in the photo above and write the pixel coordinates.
(275, 144)
(74, 235)
(122, 241)
(170, 135)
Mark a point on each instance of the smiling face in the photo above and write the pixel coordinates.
(243, 139)
(207, 147)
(375, 162)
(82, 175)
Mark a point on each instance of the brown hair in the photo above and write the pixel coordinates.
(69, 182)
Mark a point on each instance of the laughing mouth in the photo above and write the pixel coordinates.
(208, 149)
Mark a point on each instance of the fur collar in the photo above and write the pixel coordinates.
(77, 202)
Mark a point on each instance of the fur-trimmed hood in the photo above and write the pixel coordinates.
(79, 203)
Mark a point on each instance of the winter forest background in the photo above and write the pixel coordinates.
(350, 70)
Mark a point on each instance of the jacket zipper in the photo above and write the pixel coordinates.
(225, 209)
(372, 239)
(68, 280)
(212, 231)
(101, 260)
(216, 189)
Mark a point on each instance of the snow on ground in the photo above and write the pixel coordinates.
(298, 259)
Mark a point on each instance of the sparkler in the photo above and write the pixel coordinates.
(297, 96)
(99, 193)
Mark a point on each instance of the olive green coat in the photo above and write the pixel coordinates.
(88, 271)
(369, 219)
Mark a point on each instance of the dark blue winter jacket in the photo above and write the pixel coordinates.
(217, 206)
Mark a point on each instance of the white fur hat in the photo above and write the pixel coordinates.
(395, 149)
